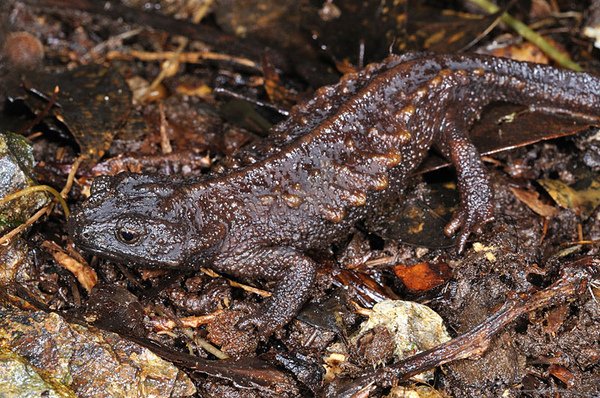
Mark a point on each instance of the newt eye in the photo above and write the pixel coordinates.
(127, 235)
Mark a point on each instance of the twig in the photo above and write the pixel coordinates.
(211, 349)
(37, 188)
(112, 41)
(233, 94)
(172, 63)
(251, 289)
(71, 177)
(46, 209)
(187, 57)
(165, 143)
(168, 68)
(535, 38)
(8, 237)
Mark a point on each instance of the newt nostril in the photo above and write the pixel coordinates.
(75, 229)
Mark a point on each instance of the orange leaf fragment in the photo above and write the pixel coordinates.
(562, 374)
(423, 276)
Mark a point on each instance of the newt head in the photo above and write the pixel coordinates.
(140, 219)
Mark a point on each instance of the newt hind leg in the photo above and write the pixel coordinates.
(476, 194)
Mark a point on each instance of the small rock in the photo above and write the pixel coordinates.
(23, 50)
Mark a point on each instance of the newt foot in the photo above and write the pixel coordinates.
(476, 210)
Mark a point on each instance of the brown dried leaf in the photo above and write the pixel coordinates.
(92, 104)
(562, 374)
(521, 52)
(445, 31)
(83, 272)
(532, 200)
(368, 290)
(506, 126)
(555, 318)
(419, 221)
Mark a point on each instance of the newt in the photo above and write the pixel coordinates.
(335, 159)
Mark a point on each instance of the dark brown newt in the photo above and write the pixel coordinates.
(337, 157)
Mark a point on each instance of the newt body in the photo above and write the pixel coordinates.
(335, 159)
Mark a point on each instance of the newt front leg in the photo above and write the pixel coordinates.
(294, 274)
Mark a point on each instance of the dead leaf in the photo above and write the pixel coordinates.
(503, 127)
(83, 272)
(423, 276)
(532, 200)
(562, 374)
(555, 319)
(413, 328)
(522, 52)
(92, 105)
(583, 200)
(431, 29)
